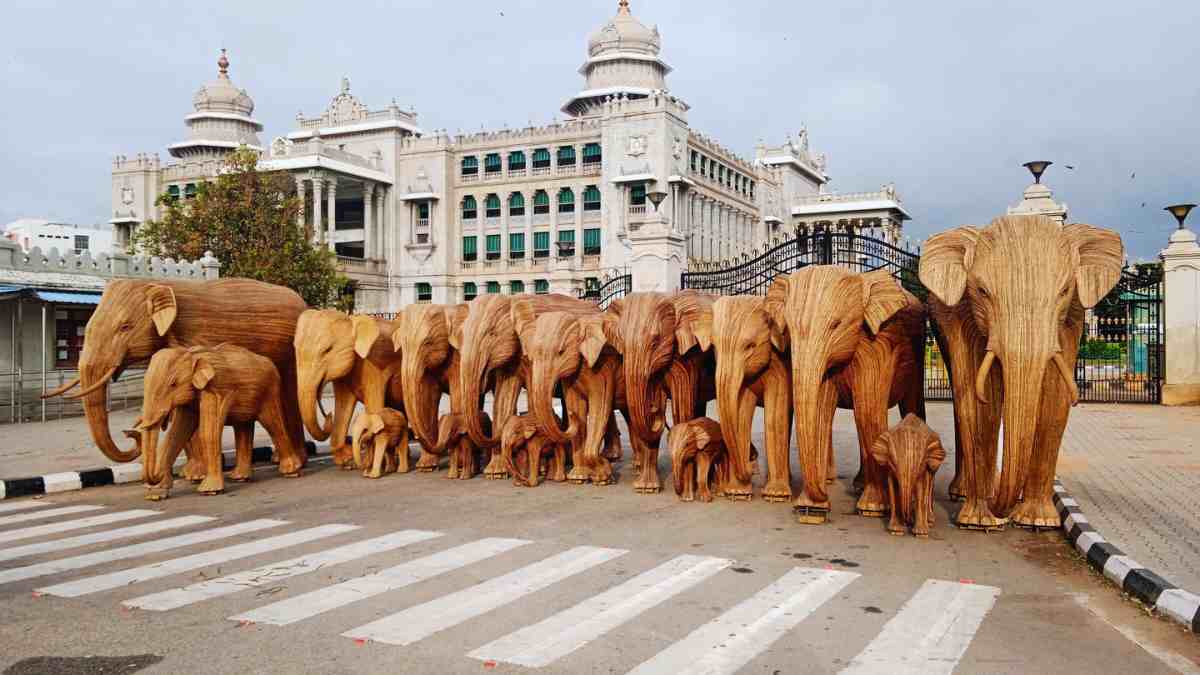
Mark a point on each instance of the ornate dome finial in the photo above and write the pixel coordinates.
(623, 7)
(223, 64)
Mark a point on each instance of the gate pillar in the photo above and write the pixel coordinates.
(657, 255)
(1181, 271)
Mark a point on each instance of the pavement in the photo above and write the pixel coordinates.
(333, 573)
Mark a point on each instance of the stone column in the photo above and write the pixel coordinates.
(381, 223)
(318, 216)
(657, 255)
(368, 225)
(302, 193)
(1181, 267)
(579, 218)
(332, 214)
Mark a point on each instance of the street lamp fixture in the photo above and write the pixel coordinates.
(656, 197)
(1180, 211)
(1037, 169)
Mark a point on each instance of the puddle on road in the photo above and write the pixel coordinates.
(82, 665)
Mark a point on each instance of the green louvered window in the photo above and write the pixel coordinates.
(541, 244)
(704, 166)
(516, 160)
(566, 155)
(491, 163)
(695, 160)
(720, 173)
(493, 287)
(516, 204)
(470, 208)
(541, 286)
(516, 287)
(516, 245)
(491, 206)
(751, 189)
(541, 158)
(493, 247)
(591, 153)
(591, 241)
(470, 166)
(189, 192)
(566, 243)
(423, 211)
(470, 251)
(637, 194)
(173, 193)
(566, 201)
(591, 198)
(541, 202)
(470, 290)
(424, 293)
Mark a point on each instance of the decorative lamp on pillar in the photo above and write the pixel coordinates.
(1180, 211)
(1037, 168)
(656, 197)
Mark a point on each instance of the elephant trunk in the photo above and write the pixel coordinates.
(309, 387)
(95, 379)
(473, 378)
(541, 402)
(814, 399)
(419, 405)
(683, 457)
(639, 398)
(731, 408)
(1023, 379)
(506, 453)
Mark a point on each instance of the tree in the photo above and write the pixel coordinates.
(247, 218)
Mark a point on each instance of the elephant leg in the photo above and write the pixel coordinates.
(504, 405)
(870, 418)
(647, 481)
(688, 477)
(243, 436)
(403, 459)
(467, 464)
(343, 409)
(704, 476)
(636, 454)
(923, 509)
(777, 423)
(273, 418)
(212, 422)
(577, 407)
(895, 525)
(978, 434)
(735, 487)
(612, 441)
(194, 469)
(955, 491)
(181, 431)
(378, 450)
(557, 471)
(533, 462)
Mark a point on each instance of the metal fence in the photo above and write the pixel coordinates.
(617, 286)
(1122, 350)
(20, 394)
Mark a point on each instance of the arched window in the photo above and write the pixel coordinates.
(566, 155)
(470, 290)
(591, 198)
(566, 201)
(516, 160)
(424, 292)
(541, 158)
(470, 208)
(491, 206)
(516, 204)
(591, 153)
(516, 287)
(541, 202)
(493, 287)
(470, 166)
(491, 163)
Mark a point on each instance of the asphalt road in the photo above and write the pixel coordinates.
(480, 576)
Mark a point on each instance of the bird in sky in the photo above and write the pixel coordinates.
(1069, 167)
(1133, 175)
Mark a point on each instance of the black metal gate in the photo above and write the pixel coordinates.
(617, 286)
(1122, 351)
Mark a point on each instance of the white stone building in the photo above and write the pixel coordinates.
(30, 233)
(431, 217)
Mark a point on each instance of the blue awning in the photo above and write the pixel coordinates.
(4, 290)
(68, 298)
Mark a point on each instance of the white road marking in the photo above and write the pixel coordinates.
(275, 572)
(547, 641)
(60, 511)
(100, 537)
(132, 551)
(68, 525)
(417, 623)
(21, 506)
(1176, 662)
(322, 600)
(730, 641)
(104, 582)
(930, 632)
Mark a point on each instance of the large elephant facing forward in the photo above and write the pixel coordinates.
(1009, 303)
(137, 318)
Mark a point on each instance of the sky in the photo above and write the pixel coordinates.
(945, 98)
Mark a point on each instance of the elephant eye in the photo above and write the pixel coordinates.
(834, 324)
(126, 326)
(1065, 292)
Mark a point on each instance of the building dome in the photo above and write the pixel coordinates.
(624, 33)
(622, 62)
(221, 121)
(221, 96)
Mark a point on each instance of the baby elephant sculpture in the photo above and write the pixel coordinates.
(385, 433)
(204, 389)
(523, 445)
(909, 455)
(700, 460)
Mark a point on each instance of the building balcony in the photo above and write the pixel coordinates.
(422, 223)
(470, 178)
(591, 262)
(541, 171)
(637, 209)
(566, 170)
(592, 169)
(516, 173)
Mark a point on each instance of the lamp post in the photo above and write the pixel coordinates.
(1037, 168)
(1180, 211)
(656, 197)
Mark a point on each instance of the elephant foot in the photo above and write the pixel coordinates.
(976, 515)
(238, 477)
(955, 490)
(290, 466)
(647, 483)
(739, 492)
(809, 511)
(859, 481)
(194, 470)
(777, 491)
(210, 486)
(870, 504)
(343, 456)
(1036, 514)
(372, 474)
(496, 469)
(920, 533)
(427, 462)
(157, 494)
(579, 475)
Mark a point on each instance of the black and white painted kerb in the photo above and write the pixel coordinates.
(1125, 572)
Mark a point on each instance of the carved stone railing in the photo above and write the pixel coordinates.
(105, 265)
(848, 197)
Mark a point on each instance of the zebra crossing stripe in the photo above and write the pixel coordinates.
(69, 525)
(417, 623)
(105, 582)
(38, 515)
(100, 537)
(21, 506)
(930, 633)
(730, 641)
(132, 551)
(275, 572)
(545, 642)
(322, 600)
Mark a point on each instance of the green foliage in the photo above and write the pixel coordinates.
(1100, 350)
(247, 218)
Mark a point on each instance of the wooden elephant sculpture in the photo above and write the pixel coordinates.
(522, 444)
(135, 319)
(386, 434)
(203, 389)
(1013, 295)
(751, 371)
(700, 462)
(567, 350)
(660, 360)
(453, 440)
(909, 455)
(854, 341)
(354, 353)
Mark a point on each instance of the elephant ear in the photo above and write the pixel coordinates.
(701, 325)
(366, 332)
(456, 316)
(160, 303)
(881, 450)
(398, 334)
(702, 438)
(375, 423)
(775, 305)
(1101, 256)
(945, 259)
(688, 306)
(523, 318)
(612, 325)
(202, 372)
(591, 338)
(882, 298)
(778, 341)
(935, 454)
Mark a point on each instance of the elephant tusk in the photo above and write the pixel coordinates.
(1067, 377)
(103, 381)
(62, 390)
(981, 376)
